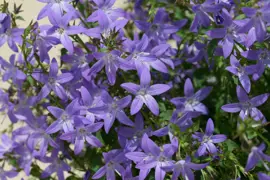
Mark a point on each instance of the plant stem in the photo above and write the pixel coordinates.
(80, 41)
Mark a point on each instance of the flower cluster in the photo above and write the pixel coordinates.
(120, 101)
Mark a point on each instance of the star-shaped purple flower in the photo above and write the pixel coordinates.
(256, 155)
(112, 159)
(241, 72)
(152, 157)
(191, 101)
(82, 134)
(144, 93)
(247, 107)
(184, 168)
(65, 118)
(52, 81)
(207, 139)
(113, 109)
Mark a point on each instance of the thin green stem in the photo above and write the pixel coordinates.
(264, 139)
(80, 41)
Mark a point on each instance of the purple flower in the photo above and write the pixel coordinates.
(57, 165)
(199, 54)
(7, 145)
(202, 16)
(57, 7)
(10, 70)
(112, 159)
(43, 42)
(158, 31)
(152, 157)
(133, 136)
(82, 134)
(25, 158)
(37, 134)
(105, 31)
(184, 119)
(105, 13)
(241, 72)
(207, 139)
(246, 106)
(191, 101)
(79, 60)
(228, 34)
(111, 61)
(156, 58)
(258, 20)
(8, 34)
(62, 31)
(139, 58)
(144, 93)
(256, 155)
(262, 176)
(183, 168)
(52, 81)
(113, 109)
(4, 175)
(89, 101)
(65, 118)
(263, 59)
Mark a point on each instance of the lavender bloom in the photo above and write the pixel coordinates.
(8, 34)
(99, 31)
(208, 140)
(191, 101)
(263, 59)
(62, 31)
(228, 34)
(144, 93)
(88, 101)
(7, 145)
(57, 7)
(37, 134)
(246, 106)
(4, 175)
(65, 118)
(184, 119)
(258, 20)
(183, 168)
(133, 136)
(112, 159)
(25, 158)
(79, 60)
(111, 61)
(199, 54)
(241, 72)
(11, 71)
(52, 81)
(43, 42)
(139, 58)
(113, 109)
(82, 134)
(6, 107)
(202, 16)
(57, 165)
(158, 31)
(262, 176)
(105, 13)
(152, 157)
(256, 155)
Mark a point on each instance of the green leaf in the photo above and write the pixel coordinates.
(231, 145)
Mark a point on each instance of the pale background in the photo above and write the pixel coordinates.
(30, 9)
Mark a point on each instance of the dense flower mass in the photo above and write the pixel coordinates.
(157, 89)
